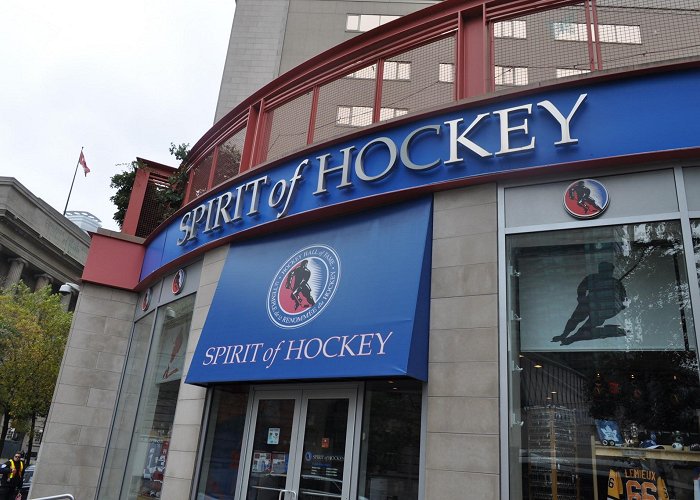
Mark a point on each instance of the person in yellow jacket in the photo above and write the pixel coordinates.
(12, 477)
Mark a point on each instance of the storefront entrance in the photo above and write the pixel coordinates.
(300, 444)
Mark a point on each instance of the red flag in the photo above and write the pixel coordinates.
(84, 164)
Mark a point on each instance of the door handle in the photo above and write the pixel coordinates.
(280, 497)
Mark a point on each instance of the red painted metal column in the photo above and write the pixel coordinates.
(379, 84)
(138, 195)
(598, 51)
(249, 141)
(312, 115)
(472, 60)
(212, 170)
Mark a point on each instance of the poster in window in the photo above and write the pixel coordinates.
(600, 296)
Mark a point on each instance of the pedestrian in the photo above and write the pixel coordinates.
(12, 477)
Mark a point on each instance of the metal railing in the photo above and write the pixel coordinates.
(450, 51)
(64, 496)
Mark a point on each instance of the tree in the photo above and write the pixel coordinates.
(33, 333)
(170, 198)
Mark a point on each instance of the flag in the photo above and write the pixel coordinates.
(84, 164)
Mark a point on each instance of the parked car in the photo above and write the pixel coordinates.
(28, 475)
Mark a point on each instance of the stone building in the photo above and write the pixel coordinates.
(413, 267)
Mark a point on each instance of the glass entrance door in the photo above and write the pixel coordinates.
(300, 445)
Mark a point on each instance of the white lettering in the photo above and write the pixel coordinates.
(406, 144)
(344, 168)
(564, 123)
(462, 139)
(504, 115)
(360, 160)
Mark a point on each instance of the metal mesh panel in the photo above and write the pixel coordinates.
(345, 103)
(152, 210)
(200, 178)
(289, 125)
(531, 48)
(562, 42)
(419, 78)
(644, 31)
(228, 161)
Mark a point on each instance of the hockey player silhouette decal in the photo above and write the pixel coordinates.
(298, 282)
(303, 286)
(585, 199)
(600, 297)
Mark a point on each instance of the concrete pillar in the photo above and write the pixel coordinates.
(43, 280)
(14, 275)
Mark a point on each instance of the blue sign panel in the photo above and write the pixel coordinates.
(606, 119)
(341, 299)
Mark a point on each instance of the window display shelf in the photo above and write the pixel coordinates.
(647, 453)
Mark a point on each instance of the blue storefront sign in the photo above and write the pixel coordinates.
(607, 119)
(348, 298)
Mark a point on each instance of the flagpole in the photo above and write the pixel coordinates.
(73, 182)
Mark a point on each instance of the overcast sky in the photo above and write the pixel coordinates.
(120, 79)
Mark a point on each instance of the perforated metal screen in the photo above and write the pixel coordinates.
(346, 103)
(419, 78)
(289, 126)
(228, 159)
(574, 40)
(200, 177)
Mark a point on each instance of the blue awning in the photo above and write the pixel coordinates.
(345, 299)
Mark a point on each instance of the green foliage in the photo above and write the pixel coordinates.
(169, 198)
(33, 334)
(123, 183)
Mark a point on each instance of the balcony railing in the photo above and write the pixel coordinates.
(447, 52)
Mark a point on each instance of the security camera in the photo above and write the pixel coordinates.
(67, 288)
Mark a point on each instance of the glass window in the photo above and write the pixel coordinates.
(222, 448)
(564, 72)
(390, 448)
(573, 32)
(148, 451)
(367, 73)
(366, 22)
(389, 113)
(397, 70)
(604, 392)
(510, 75)
(695, 226)
(355, 116)
(446, 72)
(126, 409)
(353, 22)
(510, 29)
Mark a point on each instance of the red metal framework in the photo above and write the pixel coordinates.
(301, 97)
(144, 213)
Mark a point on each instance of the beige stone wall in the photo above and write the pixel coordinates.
(182, 455)
(462, 445)
(83, 403)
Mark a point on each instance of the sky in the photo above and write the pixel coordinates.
(119, 79)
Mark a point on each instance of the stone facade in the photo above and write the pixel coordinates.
(84, 400)
(462, 447)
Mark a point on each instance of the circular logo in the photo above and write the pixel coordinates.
(146, 300)
(303, 286)
(586, 198)
(178, 282)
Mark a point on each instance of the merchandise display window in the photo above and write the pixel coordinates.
(127, 405)
(390, 448)
(222, 448)
(604, 389)
(150, 440)
(695, 228)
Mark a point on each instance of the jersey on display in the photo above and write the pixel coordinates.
(636, 484)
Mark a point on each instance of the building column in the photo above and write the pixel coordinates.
(43, 280)
(14, 275)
